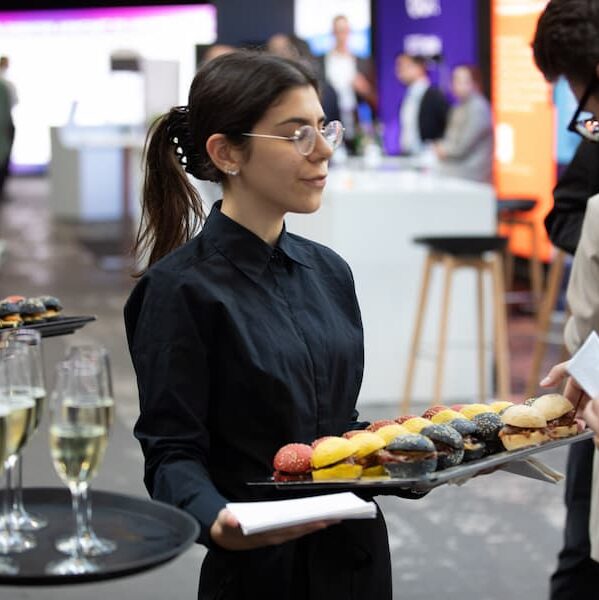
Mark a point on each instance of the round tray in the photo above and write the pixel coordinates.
(147, 534)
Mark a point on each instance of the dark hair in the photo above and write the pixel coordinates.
(417, 59)
(228, 95)
(566, 41)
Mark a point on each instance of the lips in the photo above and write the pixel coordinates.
(318, 181)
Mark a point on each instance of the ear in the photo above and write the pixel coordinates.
(224, 155)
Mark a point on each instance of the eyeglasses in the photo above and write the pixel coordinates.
(587, 128)
(304, 137)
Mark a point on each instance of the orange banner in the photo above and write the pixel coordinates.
(524, 119)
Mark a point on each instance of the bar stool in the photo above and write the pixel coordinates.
(554, 283)
(510, 212)
(483, 254)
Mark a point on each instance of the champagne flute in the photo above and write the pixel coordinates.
(78, 437)
(90, 374)
(32, 341)
(16, 400)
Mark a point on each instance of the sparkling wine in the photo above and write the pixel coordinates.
(77, 450)
(21, 415)
(39, 395)
(99, 412)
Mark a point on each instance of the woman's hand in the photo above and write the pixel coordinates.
(572, 390)
(226, 532)
(591, 416)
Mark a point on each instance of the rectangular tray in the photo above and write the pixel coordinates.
(59, 326)
(427, 482)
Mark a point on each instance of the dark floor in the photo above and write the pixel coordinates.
(495, 538)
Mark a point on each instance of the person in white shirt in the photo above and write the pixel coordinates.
(423, 111)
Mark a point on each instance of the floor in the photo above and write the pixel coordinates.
(494, 538)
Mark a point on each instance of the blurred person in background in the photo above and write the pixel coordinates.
(8, 99)
(216, 50)
(351, 77)
(566, 43)
(293, 47)
(466, 149)
(423, 111)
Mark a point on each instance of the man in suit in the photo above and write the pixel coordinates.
(423, 112)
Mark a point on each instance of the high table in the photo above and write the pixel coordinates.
(370, 217)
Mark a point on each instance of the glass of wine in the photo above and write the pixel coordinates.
(32, 343)
(18, 406)
(97, 364)
(78, 438)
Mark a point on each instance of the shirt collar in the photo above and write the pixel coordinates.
(245, 249)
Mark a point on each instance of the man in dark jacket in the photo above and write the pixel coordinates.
(423, 111)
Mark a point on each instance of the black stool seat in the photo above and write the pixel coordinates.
(463, 245)
(509, 205)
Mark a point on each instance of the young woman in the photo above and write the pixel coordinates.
(247, 337)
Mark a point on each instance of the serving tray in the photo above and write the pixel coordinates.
(147, 534)
(58, 326)
(427, 482)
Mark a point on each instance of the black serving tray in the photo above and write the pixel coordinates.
(57, 326)
(386, 485)
(147, 534)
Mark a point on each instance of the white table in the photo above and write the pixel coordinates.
(370, 218)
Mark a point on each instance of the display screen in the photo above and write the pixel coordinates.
(60, 65)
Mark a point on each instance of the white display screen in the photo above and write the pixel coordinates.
(61, 69)
(314, 19)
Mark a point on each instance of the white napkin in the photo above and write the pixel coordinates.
(584, 365)
(255, 517)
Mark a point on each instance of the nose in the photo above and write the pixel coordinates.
(322, 149)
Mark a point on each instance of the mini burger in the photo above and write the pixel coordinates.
(376, 425)
(430, 412)
(409, 456)
(333, 458)
(523, 426)
(32, 310)
(488, 426)
(292, 463)
(474, 447)
(469, 410)
(449, 445)
(53, 307)
(403, 418)
(445, 416)
(9, 314)
(500, 405)
(389, 432)
(367, 445)
(559, 413)
(417, 424)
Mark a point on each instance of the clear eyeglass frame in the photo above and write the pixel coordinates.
(587, 128)
(304, 137)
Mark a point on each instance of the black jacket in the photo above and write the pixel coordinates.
(432, 115)
(577, 184)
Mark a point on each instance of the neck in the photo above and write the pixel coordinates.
(264, 221)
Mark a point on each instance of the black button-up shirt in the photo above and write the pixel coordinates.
(239, 348)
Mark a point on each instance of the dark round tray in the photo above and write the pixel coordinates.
(147, 534)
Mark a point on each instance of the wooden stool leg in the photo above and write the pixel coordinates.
(556, 272)
(481, 333)
(501, 333)
(449, 265)
(535, 268)
(509, 269)
(415, 343)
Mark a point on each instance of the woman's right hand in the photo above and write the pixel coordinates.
(227, 533)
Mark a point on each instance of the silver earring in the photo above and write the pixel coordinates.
(232, 172)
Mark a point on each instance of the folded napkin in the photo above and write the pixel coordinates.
(584, 365)
(255, 517)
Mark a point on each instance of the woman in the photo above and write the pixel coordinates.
(466, 149)
(247, 337)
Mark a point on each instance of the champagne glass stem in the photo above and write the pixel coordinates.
(8, 524)
(17, 494)
(81, 521)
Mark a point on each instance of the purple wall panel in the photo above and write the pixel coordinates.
(452, 23)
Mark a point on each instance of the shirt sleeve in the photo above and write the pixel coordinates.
(171, 364)
(583, 287)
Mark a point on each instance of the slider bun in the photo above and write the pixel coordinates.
(563, 431)
(412, 442)
(464, 426)
(293, 458)
(341, 471)
(376, 425)
(376, 471)
(367, 442)
(445, 416)
(523, 416)
(553, 406)
(390, 432)
(513, 441)
(332, 450)
(416, 424)
(500, 405)
(470, 410)
(433, 410)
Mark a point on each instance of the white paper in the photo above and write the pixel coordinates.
(255, 517)
(584, 365)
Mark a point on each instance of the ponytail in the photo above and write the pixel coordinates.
(171, 206)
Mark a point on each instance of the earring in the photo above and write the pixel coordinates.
(232, 172)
